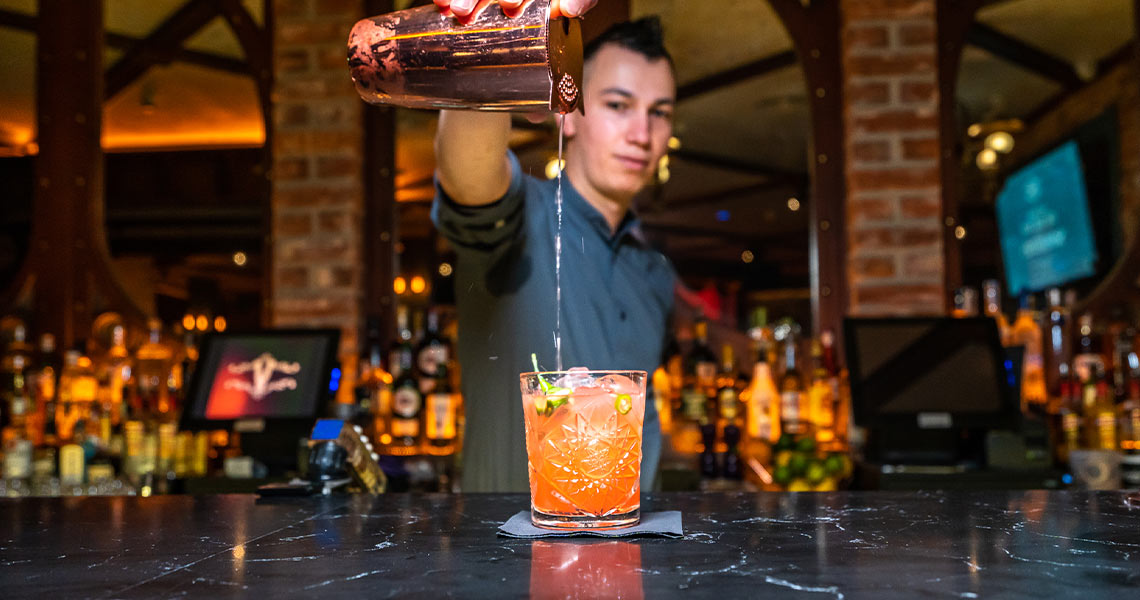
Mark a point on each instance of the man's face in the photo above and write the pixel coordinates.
(616, 145)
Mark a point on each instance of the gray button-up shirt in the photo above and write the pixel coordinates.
(617, 294)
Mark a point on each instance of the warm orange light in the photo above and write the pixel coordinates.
(188, 322)
(418, 285)
(202, 322)
(220, 323)
(220, 138)
(399, 285)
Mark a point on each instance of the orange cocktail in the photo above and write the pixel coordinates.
(583, 443)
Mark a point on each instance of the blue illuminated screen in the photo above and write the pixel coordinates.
(1043, 220)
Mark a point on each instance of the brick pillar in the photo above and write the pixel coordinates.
(895, 262)
(317, 197)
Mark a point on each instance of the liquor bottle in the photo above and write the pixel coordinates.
(78, 390)
(701, 362)
(44, 386)
(1088, 359)
(1122, 364)
(821, 397)
(965, 303)
(792, 417)
(1068, 415)
(154, 364)
(661, 394)
(15, 366)
(674, 372)
(433, 350)
(407, 410)
(402, 345)
(763, 399)
(1057, 341)
(1099, 413)
(727, 394)
(114, 377)
(441, 416)
(991, 290)
(374, 391)
(1026, 333)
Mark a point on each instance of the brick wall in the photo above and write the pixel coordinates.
(317, 197)
(895, 260)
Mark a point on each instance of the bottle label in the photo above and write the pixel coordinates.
(790, 406)
(18, 460)
(693, 402)
(405, 428)
(706, 373)
(431, 357)
(406, 402)
(441, 417)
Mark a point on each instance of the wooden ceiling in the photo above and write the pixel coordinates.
(742, 119)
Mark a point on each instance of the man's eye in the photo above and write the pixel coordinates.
(614, 105)
(663, 114)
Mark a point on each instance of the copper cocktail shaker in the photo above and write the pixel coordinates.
(420, 58)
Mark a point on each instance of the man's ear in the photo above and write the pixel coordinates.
(570, 123)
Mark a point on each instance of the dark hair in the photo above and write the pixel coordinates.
(643, 36)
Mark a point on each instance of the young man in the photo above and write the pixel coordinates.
(617, 292)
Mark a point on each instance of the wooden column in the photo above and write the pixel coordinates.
(381, 214)
(815, 32)
(67, 276)
(954, 20)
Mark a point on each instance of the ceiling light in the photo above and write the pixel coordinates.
(663, 172)
(399, 285)
(1000, 142)
(793, 204)
(960, 232)
(987, 160)
(747, 257)
(202, 323)
(188, 322)
(240, 259)
(220, 323)
(445, 269)
(418, 285)
(674, 143)
(554, 167)
(974, 130)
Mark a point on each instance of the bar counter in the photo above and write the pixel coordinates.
(1035, 544)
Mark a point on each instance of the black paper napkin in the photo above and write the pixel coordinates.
(662, 524)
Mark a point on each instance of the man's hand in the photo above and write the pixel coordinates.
(466, 10)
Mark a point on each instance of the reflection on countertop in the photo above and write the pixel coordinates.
(843, 545)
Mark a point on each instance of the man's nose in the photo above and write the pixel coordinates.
(637, 131)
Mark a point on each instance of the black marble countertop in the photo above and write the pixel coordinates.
(1035, 544)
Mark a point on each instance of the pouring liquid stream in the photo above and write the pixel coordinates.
(558, 253)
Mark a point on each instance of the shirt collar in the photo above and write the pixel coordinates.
(575, 203)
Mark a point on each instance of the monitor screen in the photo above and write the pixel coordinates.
(928, 373)
(1046, 232)
(276, 374)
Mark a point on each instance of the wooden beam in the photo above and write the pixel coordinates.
(954, 18)
(1019, 53)
(27, 23)
(160, 45)
(816, 30)
(729, 163)
(721, 196)
(67, 277)
(756, 68)
(381, 218)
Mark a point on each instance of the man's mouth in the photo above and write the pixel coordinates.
(634, 164)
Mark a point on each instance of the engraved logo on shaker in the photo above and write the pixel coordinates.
(567, 89)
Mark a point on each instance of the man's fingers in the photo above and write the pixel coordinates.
(462, 8)
(570, 8)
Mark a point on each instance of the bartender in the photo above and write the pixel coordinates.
(617, 292)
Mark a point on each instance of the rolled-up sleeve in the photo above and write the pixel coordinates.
(482, 229)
